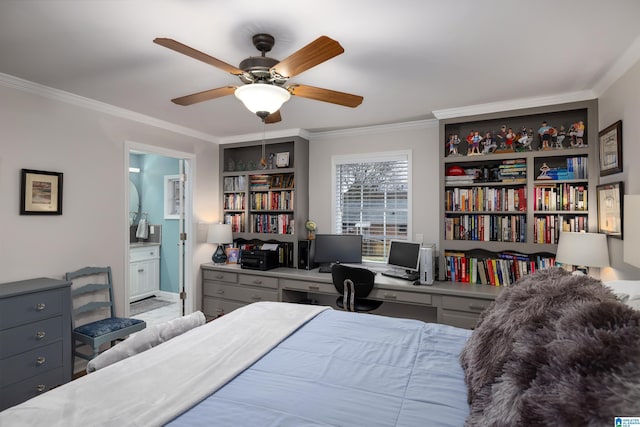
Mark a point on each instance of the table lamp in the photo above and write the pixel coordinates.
(219, 234)
(583, 250)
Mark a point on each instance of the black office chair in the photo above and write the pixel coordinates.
(354, 284)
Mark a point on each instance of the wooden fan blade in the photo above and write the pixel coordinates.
(273, 117)
(204, 95)
(326, 95)
(316, 52)
(196, 54)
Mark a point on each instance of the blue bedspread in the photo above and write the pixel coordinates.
(346, 369)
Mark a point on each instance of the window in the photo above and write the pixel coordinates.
(371, 197)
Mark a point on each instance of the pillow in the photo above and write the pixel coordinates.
(625, 290)
(146, 339)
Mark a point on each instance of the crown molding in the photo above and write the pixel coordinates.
(514, 104)
(628, 59)
(375, 129)
(266, 135)
(80, 101)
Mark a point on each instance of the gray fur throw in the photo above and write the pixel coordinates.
(553, 350)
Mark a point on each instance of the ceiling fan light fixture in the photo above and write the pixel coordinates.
(262, 97)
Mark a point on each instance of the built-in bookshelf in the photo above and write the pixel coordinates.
(505, 197)
(265, 191)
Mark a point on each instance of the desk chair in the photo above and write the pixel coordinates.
(354, 284)
(95, 300)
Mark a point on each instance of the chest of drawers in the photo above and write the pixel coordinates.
(35, 338)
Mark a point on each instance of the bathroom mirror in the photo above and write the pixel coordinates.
(134, 203)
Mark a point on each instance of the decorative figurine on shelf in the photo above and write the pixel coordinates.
(488, 143)
(475, 144)
(272, 157)
(524, 139)
(576, 133)
(544, 170)
(510, 137)
(252, 165)
(311, 229)
(454, 140)
(240, 165)
(545, 136)
(562, 134)
(501, 137)
(231, 165)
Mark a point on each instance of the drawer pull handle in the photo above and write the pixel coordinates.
(40, 360)
(40, 334)
(141, 270)
(314, 288)
(256, 298)
(220, 291)
(41, 306)
(219, 277)
(257, 282)
(390, 296)
(475, 307)
(41, 388)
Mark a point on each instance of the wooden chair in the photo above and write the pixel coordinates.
(354, 284)
(95, 296)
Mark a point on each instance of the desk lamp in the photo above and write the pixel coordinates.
(219, 234)
(583, 250)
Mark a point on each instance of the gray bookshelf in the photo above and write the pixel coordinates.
(276, 197)
(532, 215)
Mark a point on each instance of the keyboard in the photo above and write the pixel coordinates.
(401, 275)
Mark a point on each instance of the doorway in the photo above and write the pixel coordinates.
(158, 285)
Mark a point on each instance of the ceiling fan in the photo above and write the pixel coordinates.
(265, 79)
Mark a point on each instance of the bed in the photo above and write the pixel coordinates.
(282, 364)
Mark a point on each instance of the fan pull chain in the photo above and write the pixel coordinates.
(263, 160)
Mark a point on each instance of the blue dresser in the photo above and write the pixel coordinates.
(35, 338)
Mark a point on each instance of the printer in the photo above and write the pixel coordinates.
(259, 259)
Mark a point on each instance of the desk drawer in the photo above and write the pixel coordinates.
(239, 293)
(31, 307)
(471, 305)
(459, 319)
(31, 387)
(400, 296)
(35, 362)
(220, 276)
(26, 337)
(314, 287)
(214, 307)
(262, 281)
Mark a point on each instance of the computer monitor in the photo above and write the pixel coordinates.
(404, 255)
(338, 248)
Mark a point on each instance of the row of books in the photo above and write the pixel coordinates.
(235, 183)
(547, 228)
(234, 201)
(272, 223)
(502, 270)
(488, 199)
(259, 182)
(487, 228)
(566, 197)
(514, 170)
(236, 220)
(273, 200)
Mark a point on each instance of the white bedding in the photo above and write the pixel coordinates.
(130, 392)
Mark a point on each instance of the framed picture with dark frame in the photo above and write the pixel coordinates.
(611, 149)
(277, 181)
(40, 192)
(610, 209)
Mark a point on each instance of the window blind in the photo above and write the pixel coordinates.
(372, 199)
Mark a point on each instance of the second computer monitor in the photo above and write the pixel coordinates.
(338, 248)
(404, 255)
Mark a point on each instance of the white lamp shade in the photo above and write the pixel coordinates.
(219, 234)
(262, 97)
(583, 249)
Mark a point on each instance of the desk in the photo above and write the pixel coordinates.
(227, 287)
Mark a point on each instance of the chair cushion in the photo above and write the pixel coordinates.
(105, 326)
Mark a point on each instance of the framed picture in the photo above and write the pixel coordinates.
(289, 181)
(610, 197)
(40, 192)
(232, 255)
(611, 149)
(277, 181)
(282, 160)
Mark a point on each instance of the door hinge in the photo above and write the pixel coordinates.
(183, 177)
(183, 236)
(183, 295)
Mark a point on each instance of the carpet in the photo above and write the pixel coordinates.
(147, 305)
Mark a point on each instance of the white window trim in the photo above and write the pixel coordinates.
(373, 157)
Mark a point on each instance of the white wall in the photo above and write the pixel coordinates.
(621, 101)
(88, 147)
(419, 137)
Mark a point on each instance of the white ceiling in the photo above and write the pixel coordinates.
(408, 58)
